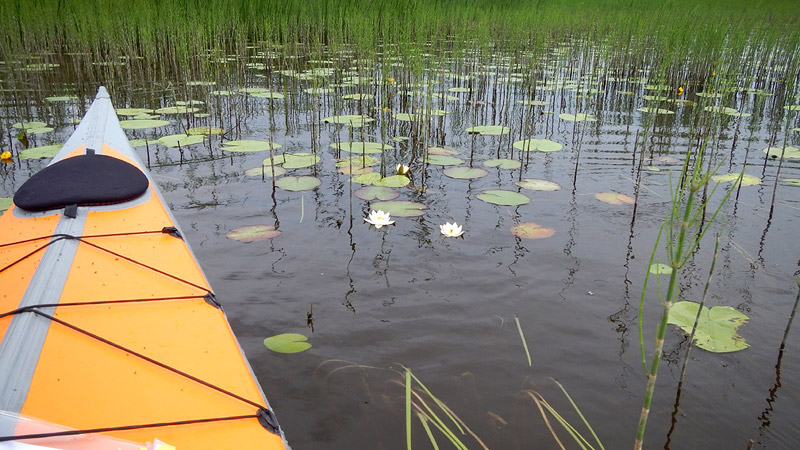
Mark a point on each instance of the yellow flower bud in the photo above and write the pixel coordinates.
(5, 156)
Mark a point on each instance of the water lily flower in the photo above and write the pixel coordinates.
(379, 218)
(451, 229)
(390, 80)
(402, 169)
(680, 90)
(5, 156)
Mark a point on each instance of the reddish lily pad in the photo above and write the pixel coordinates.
(530, 230)
(253, 233)
(612, 198)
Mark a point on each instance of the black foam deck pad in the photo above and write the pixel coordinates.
(84, 180)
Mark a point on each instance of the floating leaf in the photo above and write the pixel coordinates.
(459, 90)
(358, 96)
(538, 185)
(249, 145)
(183, 140)
(355, 170)
(721, 109)
(318, 91)
(612, 198)
(353, 120)
(27, 126)
(442, 160)
(265, 171)
(747, 180)
(488, 130)
(133, 111)
(140, 124)
(716, 327)
(580, 117)
(660, 269)
(253, 233)
(504, 198)
(179, 109)
(299, 160)
(465, 173)
(367, 178)
(362, 147)
(400, 208)
(5, 203)
(138, 142)
(653, 110)
(542, 145)
(394, 181)
(792, 181)
(63, 98)
(530, 230)
(503, 163)
(376, 193)
(208, 131)
(787, 152)
(287, 343)
(45, 151)
(267, 94)
(298, 183)
(358, 161)
(532, 102)
(442, 151)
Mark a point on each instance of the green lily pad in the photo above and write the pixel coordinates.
(788, 152)
(442, 151)
(442, 160)
(5, 203)
(542, 145)
(747, 180)
(253, 233)
(133, 111)
(394, 181)
(265, 171)
(716, 327)
(61, 98)
(580, 117)
(530, 230)
(358, 160)
(362, 147)
(721, 110)
(299, 160)
(503, 163)
(353, 120)
(298, 183)
(318, 91)
(534, 184)
(183, 140)
(532, 102)
(45, 151)
(27, 126)
(400, 208)
(208, 131)
(465, 173)
(380, 193)
(612, 198)
(268, 94)
(358, 97)
(459, 90)
(792, 181)
(138, 142)
(179, 109)
(367, 178)
(653, 110)
(249, 145)
(660, 269)
(355, 170)
(488, 130)
(504, 198)
(142, 124)
(287, 343)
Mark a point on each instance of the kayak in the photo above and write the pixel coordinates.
(110, 334)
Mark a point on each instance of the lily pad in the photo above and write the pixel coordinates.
(488, 130)
(299, 160)
(253, 233)
(298, 183)
(249, 145)
(5, 203)
(530, 230)
(367, 178)
(721, 109)
(612, 198)
(465, 173)
(376, 193)
(787, 152)
(358, 160)
(318, 91)
(660, 269)
(716, 327)
(208, 131)
(287, 343)
(442, 151)
(653, 110)
(27, 126)
(580, 117)
(532, 102)
(268, 94)
(362, 147)
(358, 97)
(542, 145)
(355, 170)
(45, 151)
(459, 90)
(503, 163)
(179, 109)
(442, 160)
(792, 181)
(138, 142)
(61, 98)
(142, 124)
(504, 198)
(747, 180)
(265, 171)
(394, 181)
(400, 208)
(534, 184)
(133, 111)
(353, 120)
(183, 140)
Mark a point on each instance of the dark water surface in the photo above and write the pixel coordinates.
(446, 308)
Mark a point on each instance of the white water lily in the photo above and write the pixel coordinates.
(402, 169)
(379, 218)
(451, 229)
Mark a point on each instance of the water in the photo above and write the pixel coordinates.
(406, 296)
